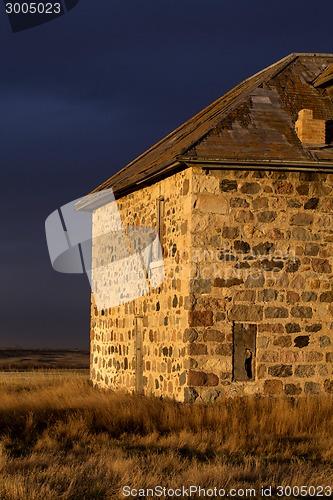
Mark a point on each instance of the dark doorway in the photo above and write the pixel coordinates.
(244, 349)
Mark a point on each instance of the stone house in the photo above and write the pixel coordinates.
(241, 196)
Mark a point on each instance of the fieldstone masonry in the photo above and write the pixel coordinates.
(240, 248)
(139, 345)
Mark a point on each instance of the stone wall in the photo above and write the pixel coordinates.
(248, 284)
(138, 345)
(262, 255)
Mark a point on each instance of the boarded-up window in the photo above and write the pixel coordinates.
(244, 349)
(138, 355)
(160, 221)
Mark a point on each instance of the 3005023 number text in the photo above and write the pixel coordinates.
(33, 8)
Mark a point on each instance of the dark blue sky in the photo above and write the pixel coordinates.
(84, 94)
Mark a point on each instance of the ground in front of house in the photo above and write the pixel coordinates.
(62, 438)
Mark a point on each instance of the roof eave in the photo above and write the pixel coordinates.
(282, 165)
(96, 199)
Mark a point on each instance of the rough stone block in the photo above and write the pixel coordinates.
(227, 185)
(213, 336)
(239, 203)
(276, 312)
(309, 176)
(242, 265)
(224, 350)
(272, 265)
(311, 204)
(245, 296)
(262, 371)
(304, 371)
(186, 185)
(240, 312)
(311, 249)
(190, 335)
(323, 370)
(293, 328)
(210, 203)
(250, 188)
(201, 379)
(200, 285)
(301, 219)
(293, 389)
(190, 395)
(303, 189)
(273, 387)
(302, 341)
(292, 297)
(266, 216)
(282, 187)
(255, 281)
(267, 295)
(201, 318)
(326, 297)
(220, 316)
(228, 282)
(314, 283)
(230, 233)
(288, 356)
(244, 216)
(271, 327)
(310, 296)
(292, 266)
(280, 371)
(300, 233)
(260, 203)
(283, 341)
(324, 341)
(227, 257)
(182, 378)
(329, 357)
(241, 246)
(321, 266)
(294, 204)
(196, 349)
(314, 357)
(190, 363)
(312, 388)
(263, 248)
(301, 312)
(269, 357)
(328, 386)
(210, 396)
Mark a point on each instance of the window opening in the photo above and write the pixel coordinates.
(244, 348)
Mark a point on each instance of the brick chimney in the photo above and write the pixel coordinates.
(309, 130)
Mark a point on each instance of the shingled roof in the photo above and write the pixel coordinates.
(252, 125)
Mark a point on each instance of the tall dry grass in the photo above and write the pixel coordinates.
(60, 438)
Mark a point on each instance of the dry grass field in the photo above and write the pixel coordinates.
(62, 439)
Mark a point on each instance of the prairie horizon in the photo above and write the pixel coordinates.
(17, 358)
